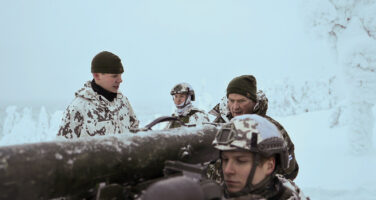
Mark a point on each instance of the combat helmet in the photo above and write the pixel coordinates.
(183, 88)
(256, 134)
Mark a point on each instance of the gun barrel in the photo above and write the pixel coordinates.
(74, 168)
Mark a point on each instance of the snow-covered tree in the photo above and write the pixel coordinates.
(289, 97)
(42, 124)
(26, 126)
(11, 118)
(17, 126)
(350, 26)
(55, 120)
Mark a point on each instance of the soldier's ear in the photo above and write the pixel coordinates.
(270, 165)
(96, 76)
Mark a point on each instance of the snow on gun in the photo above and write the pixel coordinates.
(73, 169)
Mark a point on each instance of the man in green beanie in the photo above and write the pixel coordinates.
(242, 98)
(99, 108)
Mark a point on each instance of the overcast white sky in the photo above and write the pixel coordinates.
(46, 46)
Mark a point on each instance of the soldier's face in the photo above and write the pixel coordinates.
(179, 98)
(109, 82)
(236, 166)
(239, 104)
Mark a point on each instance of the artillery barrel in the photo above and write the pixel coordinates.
(74, 168)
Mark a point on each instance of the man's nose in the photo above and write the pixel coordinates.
(228, 168)
(236, 105)
(120, 79)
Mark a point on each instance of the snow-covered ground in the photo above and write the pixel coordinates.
(328, 167)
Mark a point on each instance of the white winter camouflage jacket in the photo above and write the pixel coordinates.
(92, 114)
(191, 117)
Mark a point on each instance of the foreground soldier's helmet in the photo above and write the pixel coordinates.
(255, 134)
(252, 133)
(183, 88)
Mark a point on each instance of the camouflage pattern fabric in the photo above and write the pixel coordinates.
(91, 114)
(290, 190)
(221, 112)
(223, 115)
(253, 133)
(214, 170)
(275, 187)
(192, 116)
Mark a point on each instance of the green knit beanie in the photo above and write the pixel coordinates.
(106, 62)
(245, 85)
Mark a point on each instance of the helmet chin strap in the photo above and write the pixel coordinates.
(248, 188)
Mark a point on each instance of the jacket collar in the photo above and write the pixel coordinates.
(110, 96)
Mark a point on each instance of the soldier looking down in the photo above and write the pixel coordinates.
(251, 152)
(183, 95)
(242, 98)
(99, 108)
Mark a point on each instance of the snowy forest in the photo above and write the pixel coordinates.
(321, 87)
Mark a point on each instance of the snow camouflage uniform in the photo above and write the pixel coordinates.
(256, 134)
(192, 116)
(92, 114)
(223, 115)
(187, 113)
(280, 189)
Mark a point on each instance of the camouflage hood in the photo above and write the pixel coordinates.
(192, 116)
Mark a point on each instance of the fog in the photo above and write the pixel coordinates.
(46, 47)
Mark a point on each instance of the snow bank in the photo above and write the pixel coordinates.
(329, 169)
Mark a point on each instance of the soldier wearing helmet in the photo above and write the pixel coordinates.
(183, 95)
(251, 151)
(243, 98)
